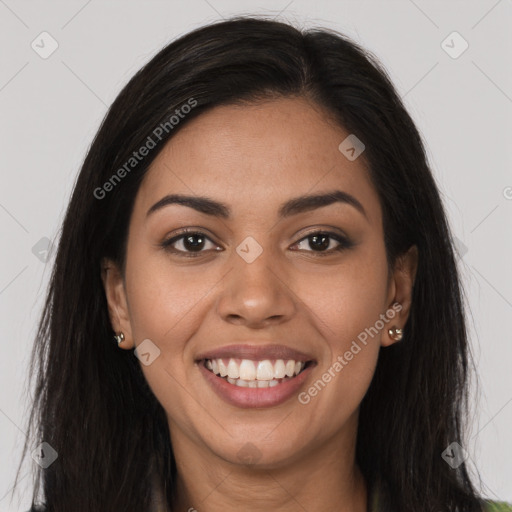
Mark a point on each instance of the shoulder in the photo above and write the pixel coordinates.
(497, 506)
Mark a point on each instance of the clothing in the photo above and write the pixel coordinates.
(498, 506)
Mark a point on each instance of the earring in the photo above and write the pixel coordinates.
(396, 333)
(119, 338)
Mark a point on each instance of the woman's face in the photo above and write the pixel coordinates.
(257, 276)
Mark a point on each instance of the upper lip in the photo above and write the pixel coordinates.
(255, 352)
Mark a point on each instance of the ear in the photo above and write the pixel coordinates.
(115, 292)
(401, 286)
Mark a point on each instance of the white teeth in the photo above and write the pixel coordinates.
(255, 383)
(290, 368)
(233, 370)
(279, 369)
(247, 370)
(223, 370)
(264, 372)
(253, 374)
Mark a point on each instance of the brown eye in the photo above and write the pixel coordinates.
(188, 243)
(321, 241)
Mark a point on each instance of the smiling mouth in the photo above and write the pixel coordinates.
(248, 373)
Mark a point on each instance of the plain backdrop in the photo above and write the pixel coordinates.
(460, 98)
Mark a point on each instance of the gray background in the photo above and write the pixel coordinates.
(51, 109)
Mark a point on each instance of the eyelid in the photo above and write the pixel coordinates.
(328, 230)
(167, 243)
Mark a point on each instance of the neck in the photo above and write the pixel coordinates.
(326, 478)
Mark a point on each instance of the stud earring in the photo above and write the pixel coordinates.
(396, 333)
(119, 338)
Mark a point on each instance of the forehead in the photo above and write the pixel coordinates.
(257, 156)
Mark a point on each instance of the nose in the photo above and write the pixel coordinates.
(257, 294)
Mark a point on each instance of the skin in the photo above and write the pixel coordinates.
(254, 158)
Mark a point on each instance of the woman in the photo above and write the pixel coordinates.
(255, 302)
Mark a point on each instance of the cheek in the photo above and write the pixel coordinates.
(166, 306)
(163, 297)
(347, 304)
(349, 298)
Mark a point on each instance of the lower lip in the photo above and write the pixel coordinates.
(254, 397)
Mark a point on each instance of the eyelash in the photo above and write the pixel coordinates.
(344, 242)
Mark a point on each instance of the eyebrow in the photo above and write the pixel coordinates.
(291, 207)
